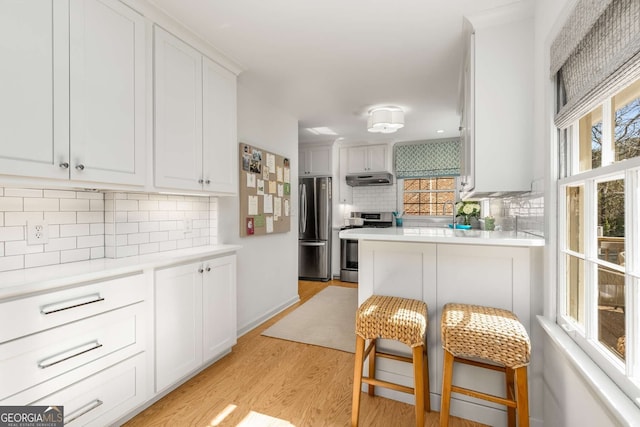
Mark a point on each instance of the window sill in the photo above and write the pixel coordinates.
(618, 403)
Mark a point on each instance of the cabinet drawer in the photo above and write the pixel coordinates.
(39, 312)
(99, 399)
(37, 358)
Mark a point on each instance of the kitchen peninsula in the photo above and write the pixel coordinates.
(494, 268)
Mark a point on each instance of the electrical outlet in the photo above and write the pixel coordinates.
(187, 225)
(37, 232)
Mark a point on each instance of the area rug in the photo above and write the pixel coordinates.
(326, 320)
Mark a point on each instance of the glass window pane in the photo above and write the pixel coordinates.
(411, 184)
(445, 183)
(411, 209)
(575, 218)
(591, 140)
(610, 212)
(411, 198)
(627, 123)
(575, 288)
(611, 303)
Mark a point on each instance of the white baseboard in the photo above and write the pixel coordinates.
(266, 316)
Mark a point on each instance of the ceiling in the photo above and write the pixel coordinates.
(327, 62)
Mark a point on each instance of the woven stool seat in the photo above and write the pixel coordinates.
(496, 336)
(393, 318)
(474, 331)
(399, 319)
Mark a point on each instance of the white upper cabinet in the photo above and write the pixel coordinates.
(498, 110)
(369, 158)
(178, 114)
(73, 90)
(195, 119)
(219, 128)
(34, 104)
(315, 160)
(107, 64)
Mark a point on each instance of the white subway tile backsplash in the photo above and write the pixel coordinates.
(60, 194)
(126, 205)
(75, 255)
(22, 192)
(87, 225)
(34, 205)
(68, 230)
(90, 241)
(60, 244)
(74, 205)
(60, 217)
(21, 218)
(39, 260)
(8, 204)
(11, 262)
(20, 247)
(11, 233)
(89, 217)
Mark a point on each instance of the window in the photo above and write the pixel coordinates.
(598, 238)
(428, 196)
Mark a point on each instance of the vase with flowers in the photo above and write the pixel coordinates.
(467, 210)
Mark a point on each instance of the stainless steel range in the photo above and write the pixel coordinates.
(349, 248)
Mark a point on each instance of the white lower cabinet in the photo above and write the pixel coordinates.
(82, 347)
(195, 316)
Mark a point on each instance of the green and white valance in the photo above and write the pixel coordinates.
(427, 159)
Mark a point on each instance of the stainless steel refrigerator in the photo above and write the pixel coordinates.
(314, 228)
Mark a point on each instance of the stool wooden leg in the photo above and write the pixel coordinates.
(447, 377)
(372, 366)
(357, 380)
(427, 391)
(511, 392)
(418, 383)
(522, 396)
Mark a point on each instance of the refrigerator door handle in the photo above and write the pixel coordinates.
(303, 209)
(313, 243)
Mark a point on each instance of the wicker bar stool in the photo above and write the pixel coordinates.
(472, 332)
(399, 319)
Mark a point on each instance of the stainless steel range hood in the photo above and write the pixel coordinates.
(377, 178)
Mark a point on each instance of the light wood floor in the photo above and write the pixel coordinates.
(271, 382)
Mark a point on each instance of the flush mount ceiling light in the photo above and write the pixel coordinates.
(385, 119)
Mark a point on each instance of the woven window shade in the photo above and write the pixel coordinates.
(596, 54)
(428, 159)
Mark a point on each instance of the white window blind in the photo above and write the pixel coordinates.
(595, 55)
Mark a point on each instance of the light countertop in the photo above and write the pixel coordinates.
(31, 280)
(443, 235)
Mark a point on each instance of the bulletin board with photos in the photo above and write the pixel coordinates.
(265, 192)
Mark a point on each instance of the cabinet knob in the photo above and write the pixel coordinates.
(208, 181)
(64, 165)
(201, 270)
(200, 181)
(80, 167)
(208, 269)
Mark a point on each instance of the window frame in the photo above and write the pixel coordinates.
(625, 375)
(400, 197)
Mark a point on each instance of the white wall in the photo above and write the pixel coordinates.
(568, 400)
(268, 264)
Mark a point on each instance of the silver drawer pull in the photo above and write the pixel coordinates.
(69, 354)
(66, 305)
(82, 410)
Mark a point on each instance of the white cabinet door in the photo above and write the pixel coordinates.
(315, 161)
(107, 63)
(367, 159)
(178, 114)
(219, 306)
(178, 323)
(220, 168)
(377, 158)
(34, 82)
